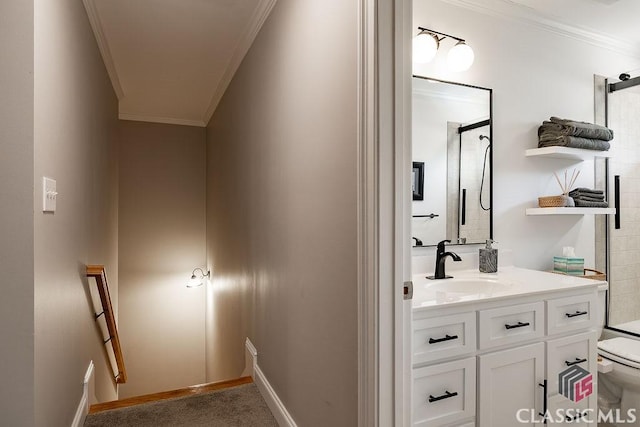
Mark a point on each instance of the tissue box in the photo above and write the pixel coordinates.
(568, 265)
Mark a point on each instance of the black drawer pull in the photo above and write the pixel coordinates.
(446, 338)
(576, 418)
(518, 325)
(575, 362)
(577, 313)
(446, 395)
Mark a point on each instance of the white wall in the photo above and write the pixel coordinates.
(75, 133)
(282, 217)
(535, 74)
(16, 213)
(162, 239)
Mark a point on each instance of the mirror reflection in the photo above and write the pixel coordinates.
(452, 158)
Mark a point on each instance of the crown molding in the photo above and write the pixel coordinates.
(165, 120)
(96, 25)
(514, 11)
(260, 15)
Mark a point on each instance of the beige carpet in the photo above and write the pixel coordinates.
(237, 406)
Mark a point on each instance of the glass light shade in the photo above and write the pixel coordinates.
(460, 57)
(195, 281)
(197, 278)
(425, 46)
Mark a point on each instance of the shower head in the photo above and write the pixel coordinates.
(484, 137)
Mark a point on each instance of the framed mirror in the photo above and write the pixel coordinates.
(452, 137)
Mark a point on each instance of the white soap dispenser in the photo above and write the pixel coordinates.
(488, 258)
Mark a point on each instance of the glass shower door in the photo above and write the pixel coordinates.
(623, 113)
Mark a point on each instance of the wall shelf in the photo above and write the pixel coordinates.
(567, 153)
(571, 211)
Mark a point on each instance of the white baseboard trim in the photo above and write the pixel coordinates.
(250, 359)
(269, 395)
(83, 406)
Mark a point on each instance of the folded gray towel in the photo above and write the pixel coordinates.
(586, 192)
(574, 142)
(585, 204)
(580, 129)
(588, 199)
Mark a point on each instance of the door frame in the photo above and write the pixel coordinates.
(384, 205)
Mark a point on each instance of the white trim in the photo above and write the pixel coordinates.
(250, 359)
(527, 15)
(260, 15)
(166, 120)
(274, 403)
(96, 25)
(269, 395)
(368, 278)
(83, 406)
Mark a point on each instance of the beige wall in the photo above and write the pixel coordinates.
(281, 217)
(162, 239)
(16, 213)
(75, 129)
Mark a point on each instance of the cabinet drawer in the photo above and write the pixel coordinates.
(445, 336)
(572, 313)
(507, 325)
(444, 393)
(576, 350)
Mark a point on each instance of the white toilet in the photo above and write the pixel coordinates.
(619, 375)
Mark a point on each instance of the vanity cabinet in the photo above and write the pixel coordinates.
(480, 363)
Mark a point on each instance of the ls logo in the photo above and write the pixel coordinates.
(575, 383)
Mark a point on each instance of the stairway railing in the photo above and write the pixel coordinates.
(117, 365)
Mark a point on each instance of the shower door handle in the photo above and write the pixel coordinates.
(463, 215)
(616, 191)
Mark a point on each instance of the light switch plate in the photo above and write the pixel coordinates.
(49, 194)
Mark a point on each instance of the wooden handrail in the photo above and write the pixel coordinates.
(97, 271)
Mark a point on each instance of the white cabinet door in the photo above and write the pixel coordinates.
(509, 391)
(565, 354)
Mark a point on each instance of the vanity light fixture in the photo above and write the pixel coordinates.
(198, 279)
(427, 42)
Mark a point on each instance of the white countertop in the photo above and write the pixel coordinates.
(508, 282)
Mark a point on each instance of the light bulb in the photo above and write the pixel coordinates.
(425, 46)
(460, 57)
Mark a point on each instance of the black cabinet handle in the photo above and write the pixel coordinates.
(576, 418)
(446, 338)
(577, 313)
(543, 414)
(518, 325)
(575, 362)
(446, 395)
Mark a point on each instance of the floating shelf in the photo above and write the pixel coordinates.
(571, 211)
(567, 153)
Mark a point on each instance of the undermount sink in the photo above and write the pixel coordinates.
(468, 286)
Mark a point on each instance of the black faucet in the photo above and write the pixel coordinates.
(441, 257)
(418, 241)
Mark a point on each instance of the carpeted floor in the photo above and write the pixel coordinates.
(237, 406)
